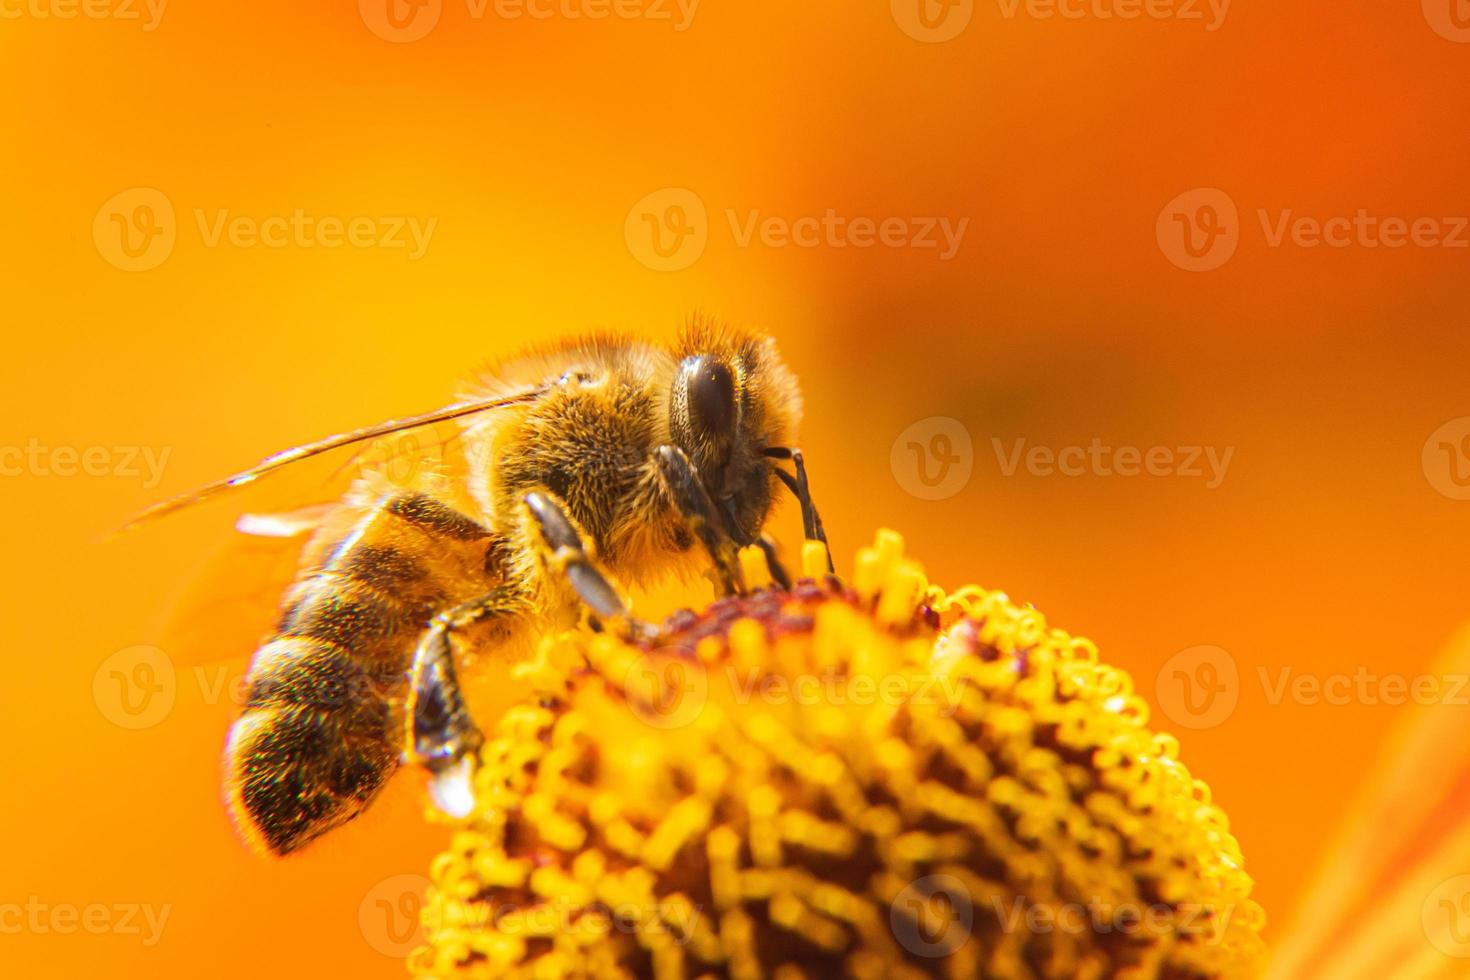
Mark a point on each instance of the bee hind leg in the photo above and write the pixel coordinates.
(442, 736)
(694, 503)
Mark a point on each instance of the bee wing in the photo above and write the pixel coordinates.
(231, 601)
(367, 437)
(290, 524)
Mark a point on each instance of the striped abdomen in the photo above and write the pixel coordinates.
(321, 731)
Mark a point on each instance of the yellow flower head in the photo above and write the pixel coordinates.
(870, 778)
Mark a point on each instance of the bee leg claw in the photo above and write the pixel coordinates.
(568, 551)
(699, 512)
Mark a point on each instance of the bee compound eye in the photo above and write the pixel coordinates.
(710, 390)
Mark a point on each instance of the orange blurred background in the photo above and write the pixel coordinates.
(1332, 543)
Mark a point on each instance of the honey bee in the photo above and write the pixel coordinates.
(584, 465)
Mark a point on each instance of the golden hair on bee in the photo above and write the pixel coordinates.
(580, 466)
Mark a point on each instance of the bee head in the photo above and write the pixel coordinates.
(732, 397)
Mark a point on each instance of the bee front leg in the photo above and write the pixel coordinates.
(800, 486)
(700, 515)
(779, 575)
(567, 553)
(442, 736)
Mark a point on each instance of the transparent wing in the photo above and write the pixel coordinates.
(230, 601)
(383, 433)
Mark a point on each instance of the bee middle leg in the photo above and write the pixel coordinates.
(568, 553)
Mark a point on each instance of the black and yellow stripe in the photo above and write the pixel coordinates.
(320, 733)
